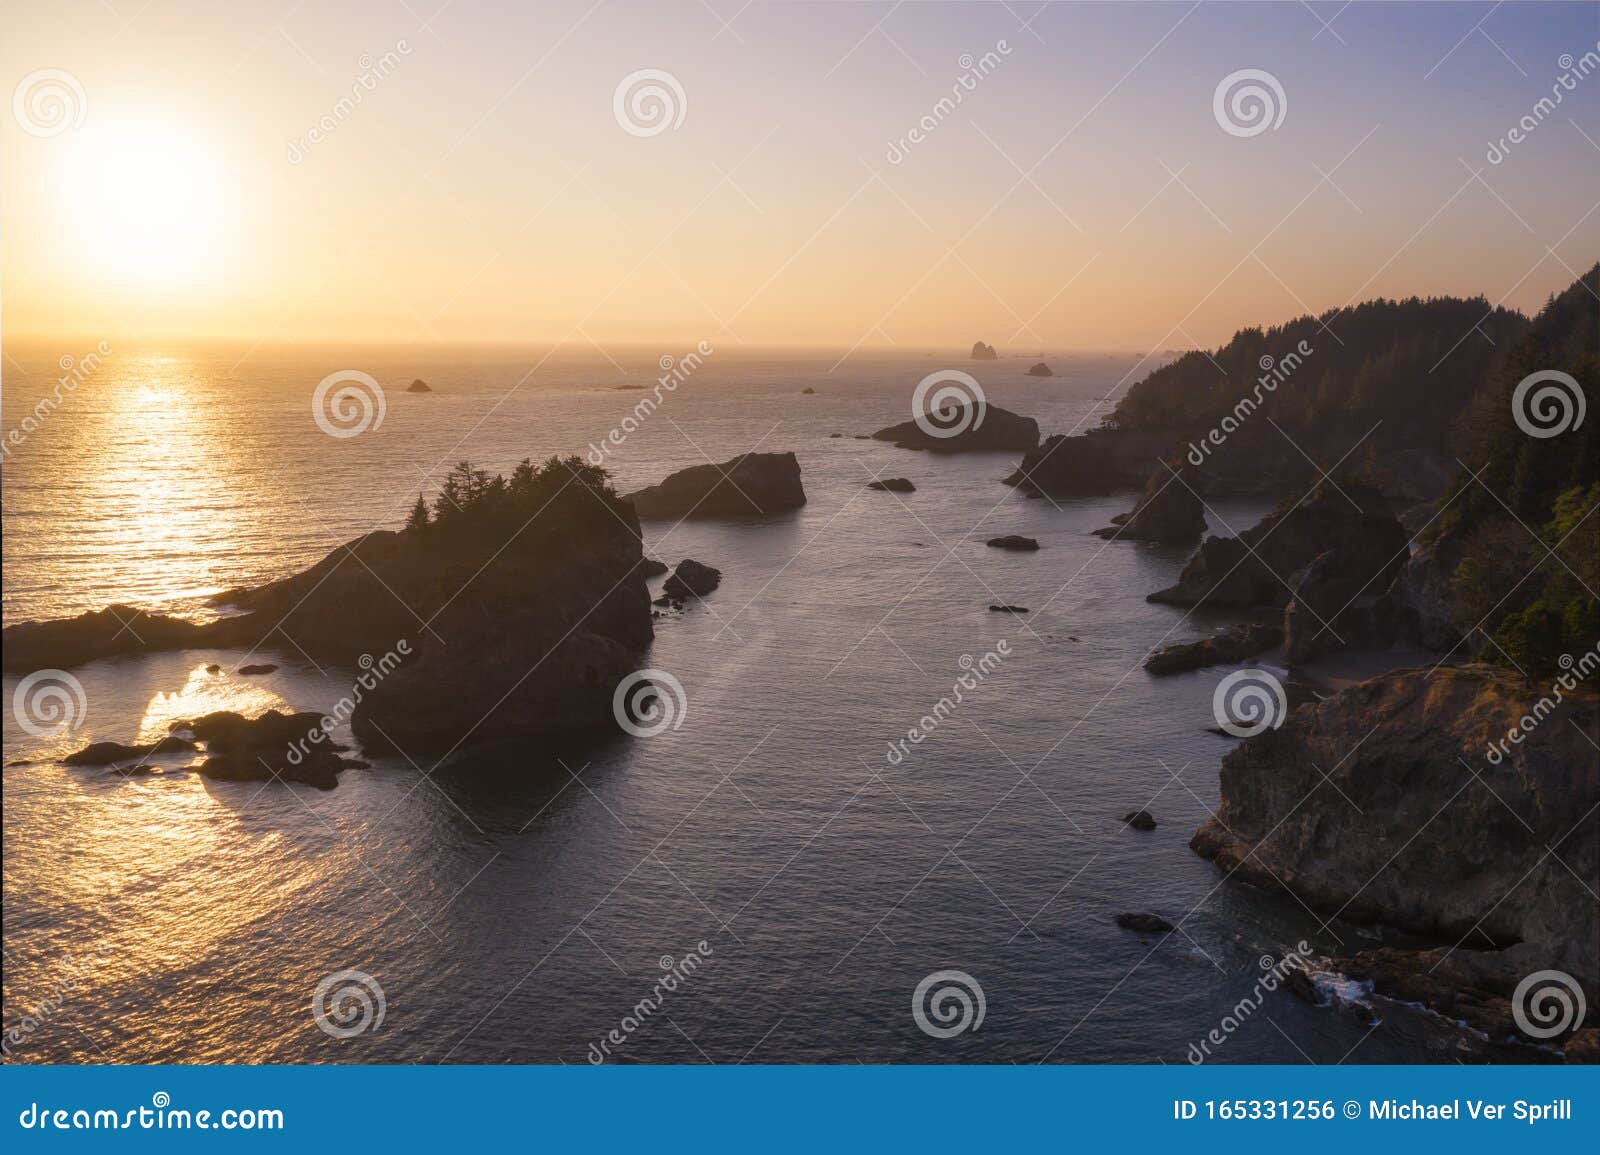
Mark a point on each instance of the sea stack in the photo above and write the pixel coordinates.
(982, 352)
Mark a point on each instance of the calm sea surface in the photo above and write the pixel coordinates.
(516, 905)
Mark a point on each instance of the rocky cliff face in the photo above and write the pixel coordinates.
(1257, 567)
(1169, 510)
(1418, 827)
(752, 484)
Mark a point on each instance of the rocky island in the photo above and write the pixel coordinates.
(964, 429)
(753, 484)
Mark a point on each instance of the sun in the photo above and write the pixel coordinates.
(145, 203)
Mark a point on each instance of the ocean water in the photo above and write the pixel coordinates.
(522, 904)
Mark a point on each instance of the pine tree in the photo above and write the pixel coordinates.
(419, 514)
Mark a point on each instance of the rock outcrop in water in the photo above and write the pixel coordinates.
(752, 484)
(67, 642)
(964, 429)
(1013, 541)
(516, 610)
(1384, 803)
(893, 485)
(419, 386)
(1234, 644)
(1097, 463)
(1040, 370)
(1255, 568)
(692, 579)
(290, 747)
(1169, 511)
(982, 352)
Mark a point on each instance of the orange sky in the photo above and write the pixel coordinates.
(1082, 194)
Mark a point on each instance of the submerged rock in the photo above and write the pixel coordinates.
(964, 429)
(1234, 644)
(1144, 923)
(1014, 541)
(692, 579)
(893, 485)
(755, 483)
(105, 753)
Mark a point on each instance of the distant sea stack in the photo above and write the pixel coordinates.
(419, 386)
(755, 483)
(965, 428)
(982, 352)
(1040, 370)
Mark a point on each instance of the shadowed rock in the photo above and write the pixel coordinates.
(692, 579)
(68, 642)
(1040, 370)
(1013, 541)
(1254, 569)
(419, 386)
(1234, 644)
(1140, 820)
(1168, 511)
(982, 352)
(893, 485)
(1338, 805)
(105, 753)
(755, 483)
(964, 429)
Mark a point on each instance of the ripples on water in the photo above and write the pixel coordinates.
(516, 904)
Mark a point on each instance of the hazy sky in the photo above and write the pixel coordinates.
(1082, 194)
